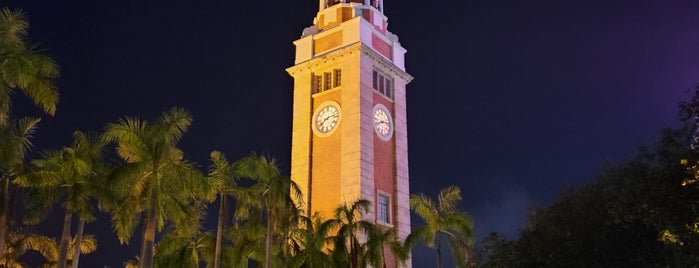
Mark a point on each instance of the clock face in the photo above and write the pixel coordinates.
(326, 118)
(383, 123)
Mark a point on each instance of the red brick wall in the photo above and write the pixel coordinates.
(381, 46)
(384, 158)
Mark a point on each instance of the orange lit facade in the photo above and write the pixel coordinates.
(349, 138)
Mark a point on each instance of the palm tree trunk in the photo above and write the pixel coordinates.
(149, 232)
(219, 230)
(5, 199)
(143, 241)
(268, 239)
(439, 251)
(78, 243)
(65, 239)
(354, 253)
(195, 257)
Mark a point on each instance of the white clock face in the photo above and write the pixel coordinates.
(383, 123)
(326, 118)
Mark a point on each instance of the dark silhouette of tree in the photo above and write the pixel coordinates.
(635, 214)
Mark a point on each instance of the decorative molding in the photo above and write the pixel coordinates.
(330, 57)
(385, 64)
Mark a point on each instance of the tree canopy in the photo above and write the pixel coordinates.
(636, 214)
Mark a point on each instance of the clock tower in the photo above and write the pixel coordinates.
(349, 138)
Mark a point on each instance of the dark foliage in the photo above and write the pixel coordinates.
(637, 214)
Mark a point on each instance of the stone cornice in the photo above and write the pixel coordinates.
(386, 64)
(324, 59)
(339, 53)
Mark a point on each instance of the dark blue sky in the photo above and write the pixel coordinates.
(512, 100)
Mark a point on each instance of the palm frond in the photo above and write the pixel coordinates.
(38, 204)
(5, 98)
(125, 218)
(460, 251)
(129, 179)
(23, 67)
(422, 234)
(87, 245)
(21, 243)
(425, 208)
(129, 134)
(15, 141)
(13, 26)
(462, 223)
(40, 179)
(88, 145)
(448, 198)
(172, 125)
(39, 84)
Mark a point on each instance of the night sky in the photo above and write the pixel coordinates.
(512, 100)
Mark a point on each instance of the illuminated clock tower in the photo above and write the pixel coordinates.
(350, 137)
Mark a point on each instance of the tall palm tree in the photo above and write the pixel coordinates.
(155, 179)
(347, 246)
(276, 193)
(14, 143)
(22, 67)
(443, 219)
(224, 177)
(66, 176)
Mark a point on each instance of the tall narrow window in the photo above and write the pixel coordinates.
(375, 80)
(389, 89)
(316, 83)
(384, 205)
(338, 77)
(327, 81)
(381, 84)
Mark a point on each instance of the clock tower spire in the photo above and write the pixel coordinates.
(349, 136)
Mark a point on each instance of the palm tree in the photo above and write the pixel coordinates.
(443, 219)
(23, 68)
(374, 249)
(176, 251)
(347, 246)
(224, 177)
(313, 239)
(155, 179)
(247, 236)
(276, 193)
(14, 142)
(20, 243)
(66, 176)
